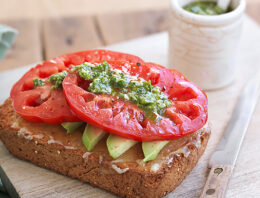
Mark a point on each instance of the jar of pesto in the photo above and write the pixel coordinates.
(204, 41)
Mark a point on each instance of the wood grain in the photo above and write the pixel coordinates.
(253, 10)
(64, 35)
(217, 182)
(120, 27)
(27, 46)
(42, 9)
(43, 183)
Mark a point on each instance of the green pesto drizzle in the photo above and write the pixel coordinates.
(37, 82)
(105, 80)
(57, 79)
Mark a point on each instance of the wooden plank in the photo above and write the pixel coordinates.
(42, 9)
(27, 46)
(43, 183)
(253, 10)
(120, 27)
(32, 181)
(66, 35)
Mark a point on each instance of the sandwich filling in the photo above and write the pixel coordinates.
(116, 94)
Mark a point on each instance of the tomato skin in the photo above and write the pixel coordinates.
(98, 55)
(44, 105)
(41, 104)
(187, 114)
(42, 71)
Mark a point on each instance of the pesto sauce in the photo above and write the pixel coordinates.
(37, 82)
(105, 80)
(204, 8)
(57, 79)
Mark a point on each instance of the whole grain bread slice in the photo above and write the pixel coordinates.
(50, 147)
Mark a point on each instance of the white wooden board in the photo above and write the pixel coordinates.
(31, 181)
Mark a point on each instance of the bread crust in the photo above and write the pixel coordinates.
(50, 147)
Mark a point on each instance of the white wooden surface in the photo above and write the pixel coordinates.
(32, 181)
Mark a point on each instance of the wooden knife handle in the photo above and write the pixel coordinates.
(217, 182)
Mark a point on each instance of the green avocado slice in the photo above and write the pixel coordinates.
(117, 145)
(152, 149)
(71, 126)
(91, 136)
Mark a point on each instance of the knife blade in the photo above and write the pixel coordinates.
(225, 155)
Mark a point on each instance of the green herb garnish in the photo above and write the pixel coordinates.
(57, 79)
(105, 80)
(37, 82)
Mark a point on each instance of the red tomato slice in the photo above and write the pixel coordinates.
(187, 114)
(42, 104)
(94, 56)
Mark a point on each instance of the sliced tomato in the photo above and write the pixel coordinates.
(43, 104)
(98, 55)
(187, 114)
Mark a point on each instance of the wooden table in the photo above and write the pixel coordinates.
(48, 28)
(44, 39)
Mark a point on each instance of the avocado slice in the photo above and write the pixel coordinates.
(91, 136)
(117, 145)
(152, 149)
(71, 126)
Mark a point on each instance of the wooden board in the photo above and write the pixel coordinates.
(120, 27)
(64, 35)
(27, 46)
(31, 181)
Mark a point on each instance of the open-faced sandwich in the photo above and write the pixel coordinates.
(110, 119)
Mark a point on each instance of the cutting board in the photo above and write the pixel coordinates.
(24, 180)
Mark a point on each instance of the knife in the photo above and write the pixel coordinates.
(224, 157)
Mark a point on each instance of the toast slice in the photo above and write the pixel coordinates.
(51, 147)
